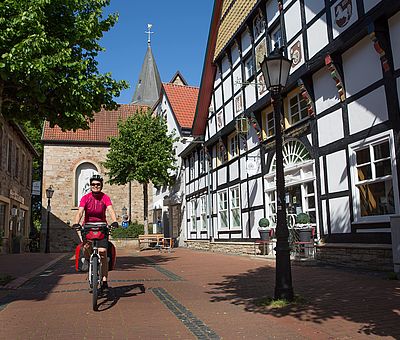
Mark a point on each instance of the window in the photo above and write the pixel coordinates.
(82, 175)
(9, 155)
(223, 209)
(23, 168)
(203, 207)
(193, 211)
(258, 26)
(28, 174)
(235, 207)
(276, 37)
(248, 67)
(202, 161)
(297, 109)
(16, 174)
(191, 167)
(233, 141)
(269, 123)
(221, 153)
(374, 179)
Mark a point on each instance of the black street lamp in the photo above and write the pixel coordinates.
(49, 195)
(275, 69)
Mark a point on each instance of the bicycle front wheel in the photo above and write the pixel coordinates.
(95, 281)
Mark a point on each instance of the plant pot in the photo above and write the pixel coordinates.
(264, 234)
(305, 234)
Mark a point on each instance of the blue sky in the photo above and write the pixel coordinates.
(179, 41)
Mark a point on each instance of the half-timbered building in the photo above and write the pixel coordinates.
(341, 126)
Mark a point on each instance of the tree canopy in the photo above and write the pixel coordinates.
(48, 67)
(143, 152)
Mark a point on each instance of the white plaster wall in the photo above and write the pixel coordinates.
(339, 212)
(246, 42)
(243, 173)
(227, 84)
(368, 111)
(361, 59)
(214, 180)
(212, 127)
(330, 128)
(317, 36)
(244, 203)
(324, 217)
(250, 93)
(255, 192)
(394, 29)
(225, 67)
(218, 98)
(229, 112)
(255, 216)
(336, 168)
(235, 55)
(245, 223)
(325, 90)
(369, 4)
(237, 79)
(338, 30)
(293, 20)
(234, 170)
(322, 177)
(312, 8)
(222, 175)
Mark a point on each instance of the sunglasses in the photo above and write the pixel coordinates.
(96, 184)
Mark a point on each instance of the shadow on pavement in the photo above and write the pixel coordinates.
(63, 278)
(328, 294)
(117, 293)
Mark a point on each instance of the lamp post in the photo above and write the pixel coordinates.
(275, 69)
(49, 195)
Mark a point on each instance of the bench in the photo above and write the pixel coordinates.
(150, 239)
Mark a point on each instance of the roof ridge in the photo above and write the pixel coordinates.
(179, 85)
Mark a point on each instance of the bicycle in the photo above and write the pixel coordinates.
(95, 232)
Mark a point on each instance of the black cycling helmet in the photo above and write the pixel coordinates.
(96, 177)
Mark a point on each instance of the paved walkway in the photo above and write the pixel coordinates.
(196, 295)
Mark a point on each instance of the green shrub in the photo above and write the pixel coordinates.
(132, 231)
(302, 218)
(263, 222)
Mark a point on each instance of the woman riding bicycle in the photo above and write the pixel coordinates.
(95, 204)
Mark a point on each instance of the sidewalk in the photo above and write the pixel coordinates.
(24, 266)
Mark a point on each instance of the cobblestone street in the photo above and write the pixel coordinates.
(190, 294)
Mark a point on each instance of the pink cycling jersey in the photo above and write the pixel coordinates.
(95, 207)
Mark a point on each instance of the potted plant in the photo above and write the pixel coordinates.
(264, 229)
(303, 227)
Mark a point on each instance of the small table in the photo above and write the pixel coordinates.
(264, 244)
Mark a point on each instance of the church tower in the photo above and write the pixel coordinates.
(148, 88)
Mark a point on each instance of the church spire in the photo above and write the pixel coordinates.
(148, 88)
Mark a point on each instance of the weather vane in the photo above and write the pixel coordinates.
(149, 32)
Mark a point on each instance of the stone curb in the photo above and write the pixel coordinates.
(18, 282)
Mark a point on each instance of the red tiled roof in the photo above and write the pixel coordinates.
(104, 125)
(183, 100)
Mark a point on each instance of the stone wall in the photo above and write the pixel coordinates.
(59, 165)
(366, 256)
(239, 248)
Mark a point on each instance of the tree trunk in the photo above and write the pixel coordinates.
(146, 206)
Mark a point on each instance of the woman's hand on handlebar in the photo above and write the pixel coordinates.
(76, 226)
(114, 225)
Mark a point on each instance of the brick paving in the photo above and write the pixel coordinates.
(189, 294)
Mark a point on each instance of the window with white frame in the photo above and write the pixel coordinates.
(203, 217)
(223, 209)
(233, 142)
(269, 123)
(193, 214)
(297, 109)
(221, 153)
(235, 207)
(202, 161)
(248, 67)
(191, 166)
(276, 37)
(375, 179)
(82, 175)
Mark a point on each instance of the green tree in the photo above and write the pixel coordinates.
(143, 152)
(48, 67)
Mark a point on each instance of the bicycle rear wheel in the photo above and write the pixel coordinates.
(95, 281)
